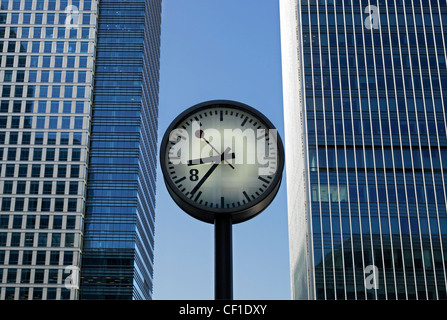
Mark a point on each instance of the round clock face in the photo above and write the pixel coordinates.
(222, 157)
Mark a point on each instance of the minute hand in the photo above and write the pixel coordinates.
(206, 176)
(209, 172)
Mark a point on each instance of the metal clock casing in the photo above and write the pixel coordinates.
(226, 177)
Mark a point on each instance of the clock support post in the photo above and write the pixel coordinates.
(223, 262)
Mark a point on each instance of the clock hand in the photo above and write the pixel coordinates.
(201, 135)
(206, 176)
(210, 159)
(209, 172)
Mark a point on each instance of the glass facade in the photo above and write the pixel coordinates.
(372, 80)
(77, 166)
(119, 228)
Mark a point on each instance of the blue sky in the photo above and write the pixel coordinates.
(220, 50)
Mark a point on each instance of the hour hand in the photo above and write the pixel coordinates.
(217, 158)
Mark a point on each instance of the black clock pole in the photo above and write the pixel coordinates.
(223, 268)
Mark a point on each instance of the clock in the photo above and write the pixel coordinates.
(222, 159)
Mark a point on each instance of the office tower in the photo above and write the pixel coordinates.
(365, 122)
(119, 222)
(77, 180)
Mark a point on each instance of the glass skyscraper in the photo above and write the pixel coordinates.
(366, 147)
(78, 134)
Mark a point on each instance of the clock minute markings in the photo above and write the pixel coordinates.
(263, 180)
(180, 180)
(266, 182)
(198, 196)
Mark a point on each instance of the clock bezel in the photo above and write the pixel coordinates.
(238, 214)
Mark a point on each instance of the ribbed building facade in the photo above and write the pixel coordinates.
(366, 147)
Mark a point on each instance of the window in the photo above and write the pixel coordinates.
(71, 49)
(40, 4)
(21, 187)
(69, 240)
(4, 106)
(63, 154)
(49, 170)
(34, 187)
(62, 171)
(72, 205)
(65, 138)
(47, 187)
(6, 204)
(67, 107)
(4, 221)
(77, 138)
(19, 204)
(57, 76)
(85, 33)
(71, 222)
(46, 204)
(17, 222)
(9, 170)
(74, 172)
(11, 46)
(51, 138)
(43, 92)
(58, 61)
(39, 274)
(71, 61)
(38, 138)
(12, 154)
(30, 221)
(68, 92)
(82, 62)
(37, 32)
(42, 107)
(68, 258)
(73, 188)
(78, 122)
(40, 123)
(23, 171)
(29, 239)
(84, 47)
(32, 76)
(9, 61)
(46, 61)
(44, 223)
(56, 92)
(73, 33)
(7, 187)
(57, 222)
(59, 205)
(69, 76)
(60, 187)
(40, 259)
(56, 237)
(53, 123)
(65, 123)
(8, 76)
